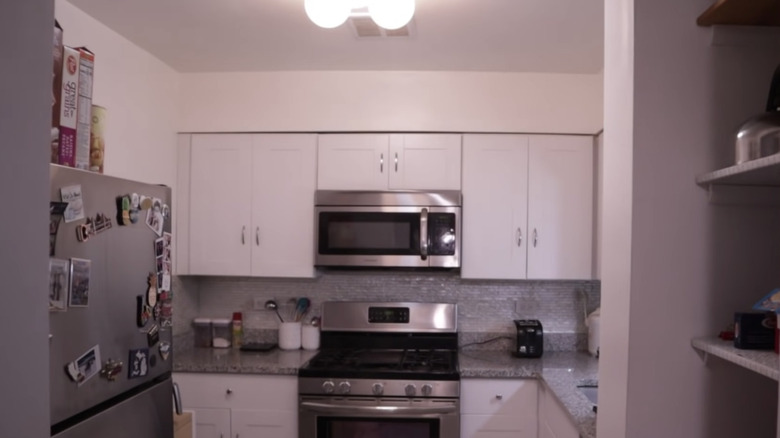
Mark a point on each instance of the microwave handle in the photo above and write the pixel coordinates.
(424, 233)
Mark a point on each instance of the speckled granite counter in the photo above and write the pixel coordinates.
(562, 372)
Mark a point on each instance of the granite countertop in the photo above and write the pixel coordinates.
(562, 372)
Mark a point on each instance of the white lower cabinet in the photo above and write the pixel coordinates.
(499, 408)
(554, 421)
(241, 406)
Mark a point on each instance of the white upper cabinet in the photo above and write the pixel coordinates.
(220, 204)
(560, 207)
(527, 206)
(251, 205)
(284, 182)
(495, 206)
(389, 161)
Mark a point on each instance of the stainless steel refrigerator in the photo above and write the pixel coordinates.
(110, 315)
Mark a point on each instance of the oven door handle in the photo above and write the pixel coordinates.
(330, 408)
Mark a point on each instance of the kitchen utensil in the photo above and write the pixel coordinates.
(289, 309)
(315, 321)
(759, 136)
(301, 307)
(271, 305)
(593, 322)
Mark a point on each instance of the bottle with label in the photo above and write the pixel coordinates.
(238, 329)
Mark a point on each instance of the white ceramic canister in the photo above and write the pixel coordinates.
(593, 322)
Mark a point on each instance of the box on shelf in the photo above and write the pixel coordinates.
(97, 145)
(754, 330)
(66, 151)
(84, 119)
(56, 93)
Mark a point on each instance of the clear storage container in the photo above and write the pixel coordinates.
(221, 333)
(202, 328)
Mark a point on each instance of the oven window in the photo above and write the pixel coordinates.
(369, 233)
(341, 427)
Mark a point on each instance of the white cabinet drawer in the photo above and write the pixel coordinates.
(499, 396)
(497, 426)
(238, 391)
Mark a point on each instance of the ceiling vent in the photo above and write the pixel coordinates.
(363, 27)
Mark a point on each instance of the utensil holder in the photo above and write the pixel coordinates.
(290, 335)
(310, 337)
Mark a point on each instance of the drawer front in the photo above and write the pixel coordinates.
(250, 391)
(497, 426)
(499, 396)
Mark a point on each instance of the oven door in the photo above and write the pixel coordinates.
(388, 236)
(328, 417)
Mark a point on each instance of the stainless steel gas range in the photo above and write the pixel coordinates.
(384, 370)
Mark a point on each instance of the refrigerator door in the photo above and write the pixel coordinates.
(121, 259)
(146, 415)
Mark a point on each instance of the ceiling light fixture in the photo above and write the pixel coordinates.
(389, 14)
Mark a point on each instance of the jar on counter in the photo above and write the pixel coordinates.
(202, 328)
(238, 329)
(221, 336)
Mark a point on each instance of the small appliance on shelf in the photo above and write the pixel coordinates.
(759, 136)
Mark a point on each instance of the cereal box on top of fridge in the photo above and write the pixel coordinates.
(84, 123)
(56, 90)
(68, 107)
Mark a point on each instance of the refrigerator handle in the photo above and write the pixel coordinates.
(176, 398)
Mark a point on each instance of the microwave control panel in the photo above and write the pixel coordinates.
(441, 232)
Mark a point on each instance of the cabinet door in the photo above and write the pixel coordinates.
(220, 204)
(554, 421)
(352, 161)
(560, 215)
(250, 423)
(495, 187)
(283, 173)
(212, 423)
(425, 161)
(497, 408)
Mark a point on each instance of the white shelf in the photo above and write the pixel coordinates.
(759, 172)
(764, 362)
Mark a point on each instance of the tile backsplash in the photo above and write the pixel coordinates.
(485, 307)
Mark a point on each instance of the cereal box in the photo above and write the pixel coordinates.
(84, 122)
(68, 107)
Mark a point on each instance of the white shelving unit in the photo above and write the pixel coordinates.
(764, 362)
(759, 172)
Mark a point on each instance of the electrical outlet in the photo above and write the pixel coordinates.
(258, 303)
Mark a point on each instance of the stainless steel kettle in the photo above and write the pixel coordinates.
(759, 136)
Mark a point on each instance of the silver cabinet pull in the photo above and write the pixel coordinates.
(381, 163)
(536, 237)
(424, 233)
(396, 161)
(243, 232)
(257, 236)
(499, 396)
(519, 236)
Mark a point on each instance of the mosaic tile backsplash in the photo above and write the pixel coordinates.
(486, 308)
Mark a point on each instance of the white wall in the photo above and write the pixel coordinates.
(25, 117)
(140, 93)
(391, 101)
(690, 264)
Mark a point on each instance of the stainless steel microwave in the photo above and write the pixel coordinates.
(388, 229)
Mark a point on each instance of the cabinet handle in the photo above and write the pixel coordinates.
(257, 236)
(424, 234)
(536, 237)
(396, 162)
(381, 163)
(243, 232)
(519, 236)
(499, 396)
(229, 391)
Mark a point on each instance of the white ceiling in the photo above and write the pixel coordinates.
(556, 36)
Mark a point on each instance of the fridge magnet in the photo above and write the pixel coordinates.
(146, 202)
(166, 282)
(166, 314)
(83, 231)
(154, 219)
(59, 271)
(156, 312)
(101, 223)
(56, 210)
(143, 312)
(165, 350)
(139, 363)
(111, 369)
(151, 291)
(166, 211)
(85, 367)
(153, 335)
(75, 209)
(79, 282)
(152, 361)
(123, 210)
(159, 247)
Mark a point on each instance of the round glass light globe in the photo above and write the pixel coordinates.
(328, 13)
(391, 14)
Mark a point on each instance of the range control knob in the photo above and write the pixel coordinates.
(378, 388)
(410, 390)
(427, 390)
(344, 387)
(328, 387)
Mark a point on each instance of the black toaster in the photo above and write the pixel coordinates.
(530, 341)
